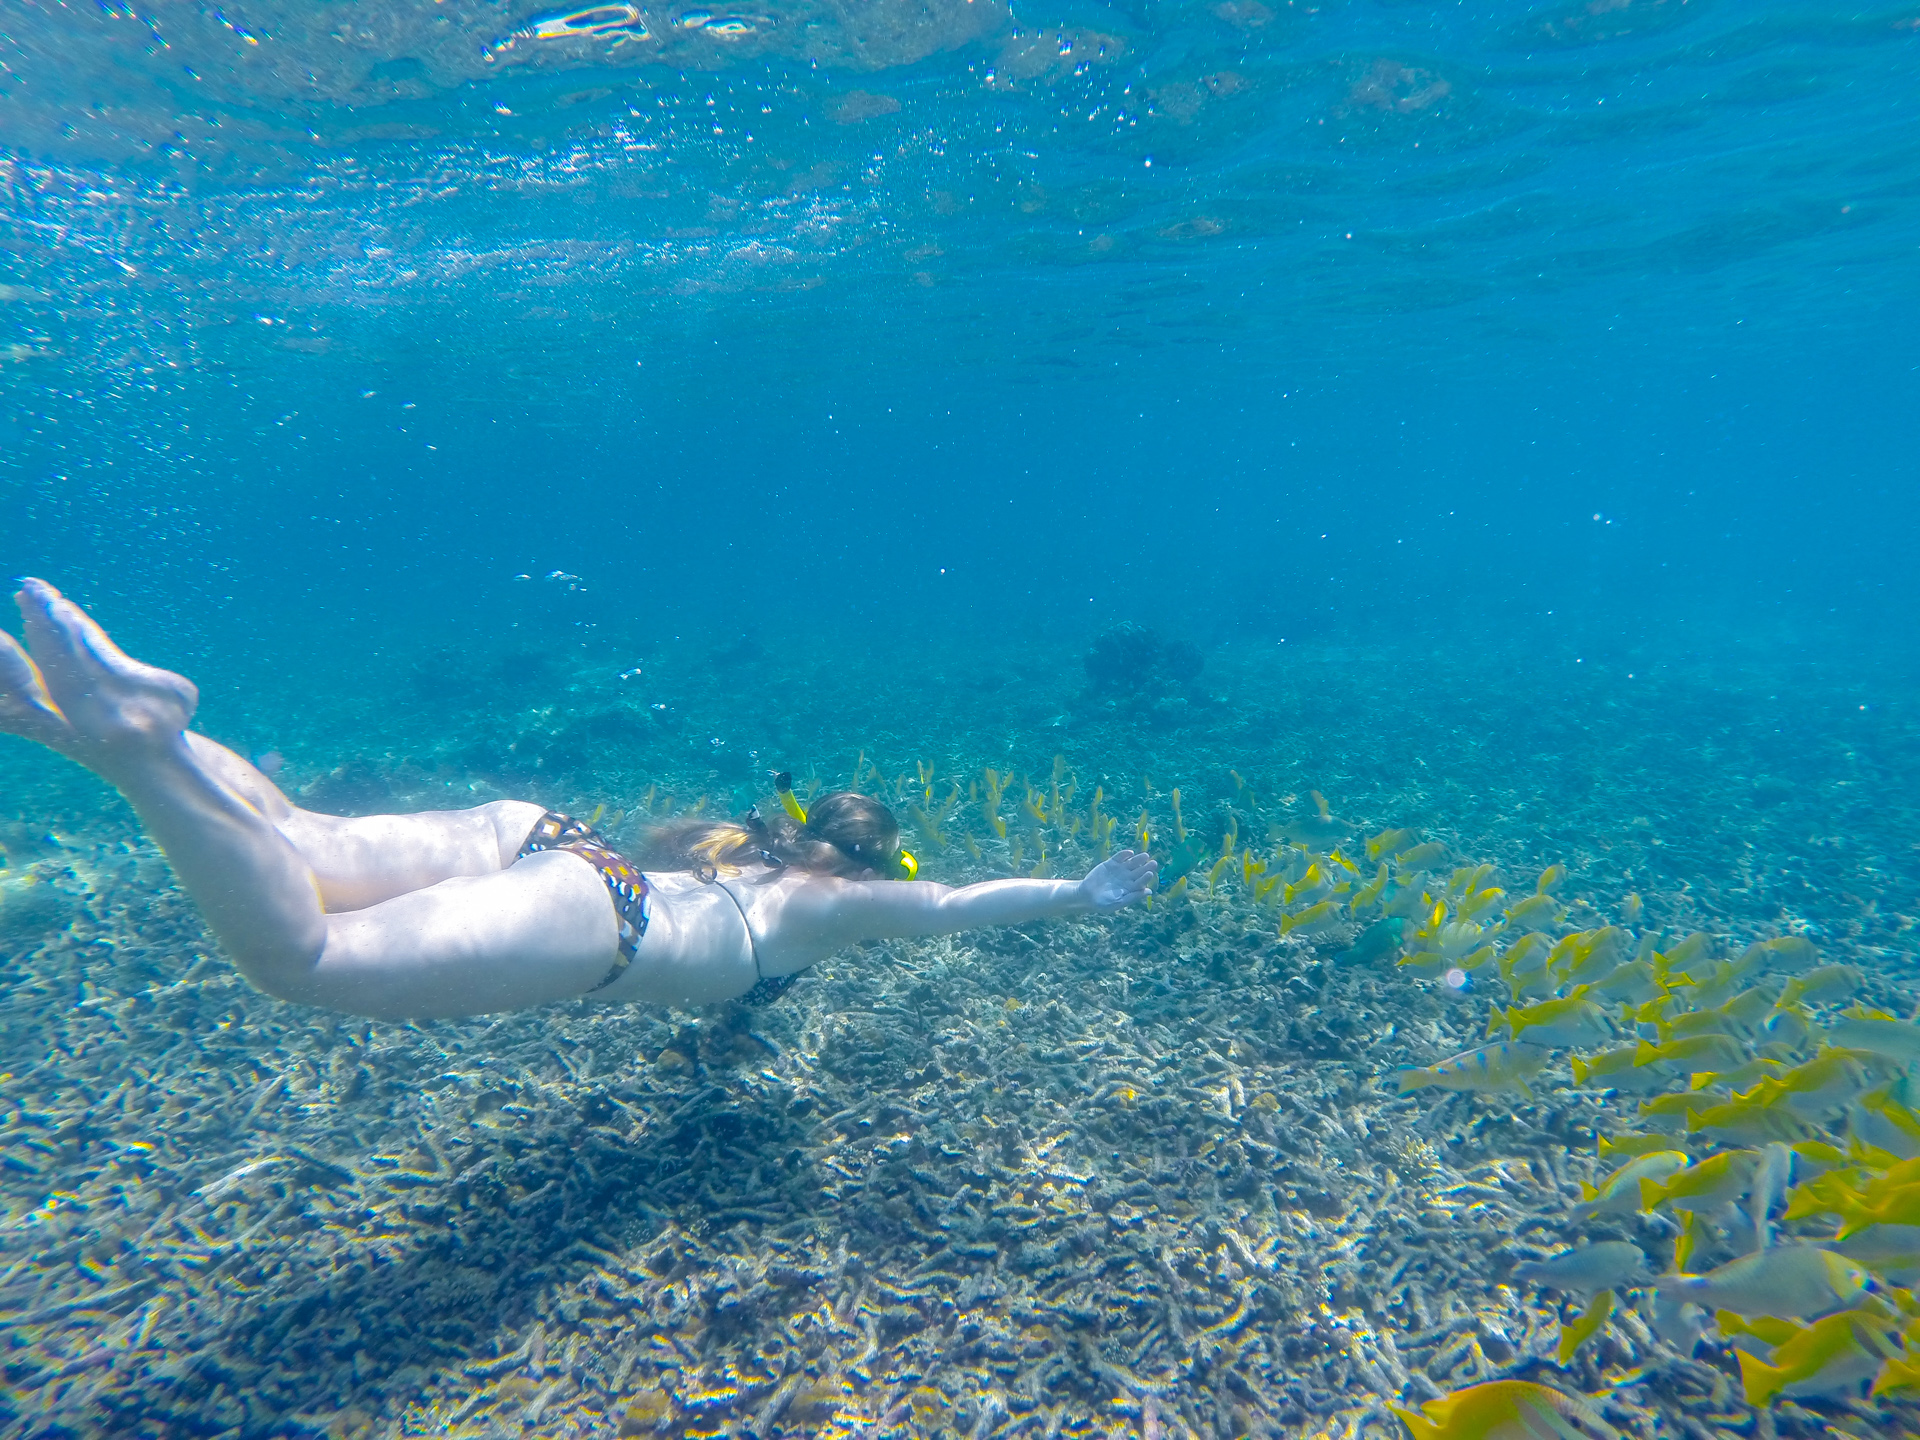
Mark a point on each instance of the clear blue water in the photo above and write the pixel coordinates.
(1096, 307)
(1513, 406)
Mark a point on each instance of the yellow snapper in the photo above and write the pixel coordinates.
(1825, 986)
(1791, 1281)
(1761, 1067)
(1632, 1146)
(1506, 1066)
(1891, 1251)
(1536, 912)
(1370, 892)
(1830, 1357)
(1630, 984)
(1389, 843)
(1588, 954)
(1822, 1086)
(1748, 1121)
(1882, 1122)
(1573, 1336)
(1473, 906)
(1466, 880)
(1550, 879)
(1314, 920)
(1715, 1181)
(1786, 952)
(1457, 937)
(1505, 1410)
(1619, 1193)
(1524, 967)
(1879, 1032)
(1572, 1019)
(1691, 954)
(1692, 1053)
(1422, 858)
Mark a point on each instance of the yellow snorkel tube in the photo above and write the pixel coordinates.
(904, 866)
(783, 787)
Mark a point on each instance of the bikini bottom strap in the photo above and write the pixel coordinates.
(627, 886)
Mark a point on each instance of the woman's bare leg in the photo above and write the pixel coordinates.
(542, 930)
(361, 860)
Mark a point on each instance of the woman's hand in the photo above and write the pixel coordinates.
(1119, 880)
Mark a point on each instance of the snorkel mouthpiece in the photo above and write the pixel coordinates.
(783, 787)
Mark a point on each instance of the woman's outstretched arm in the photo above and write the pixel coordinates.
(845, 912)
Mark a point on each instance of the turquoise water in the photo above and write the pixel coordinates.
(1501, 415)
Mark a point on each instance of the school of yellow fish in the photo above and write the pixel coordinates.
(1777, 1137)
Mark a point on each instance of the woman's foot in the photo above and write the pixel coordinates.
(85, 697)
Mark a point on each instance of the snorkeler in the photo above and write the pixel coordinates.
(504, 906)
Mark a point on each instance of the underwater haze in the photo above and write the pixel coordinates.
(1442, 477)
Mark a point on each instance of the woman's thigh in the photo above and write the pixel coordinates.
(363, 860)
(541, 930)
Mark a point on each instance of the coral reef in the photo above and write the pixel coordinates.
(1143, 1175)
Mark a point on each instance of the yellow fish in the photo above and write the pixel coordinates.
(1619, 1193)
(1828, 984)
(1493, 1067)
(1694, 952)
(1588, 954)
(1789, 1281)
(1879, 1032)
(1368, 893)
(1672, 1110)
(1830, 1357)
(1536, 912)
(1599, 1067)
(1896, 1376)
(1467, 878)
(1630, 984)
(1422, 858)
(1389, 843)
(1505, 1410)
(1473, 906)
(1790, 952)
(1741, 1077)
(1892, 1198)
(1311, 886)
(1820, 1087)
(1614, 1070)
(1524, 967)
(1573, 1336)
(1706, 1186)
(1632, 1146)
(1550, 879)
(1694, 1052)
(1572, 1019)
(1746, 1121)
(1314, 920)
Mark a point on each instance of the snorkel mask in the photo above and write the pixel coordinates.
(899, 866)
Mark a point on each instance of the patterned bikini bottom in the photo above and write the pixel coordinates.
(629, 888)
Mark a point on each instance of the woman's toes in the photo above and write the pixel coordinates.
(104, 693)
(25, 707)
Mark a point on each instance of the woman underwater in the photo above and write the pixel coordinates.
(501, 907)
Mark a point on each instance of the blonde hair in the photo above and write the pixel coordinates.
(846, 834)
